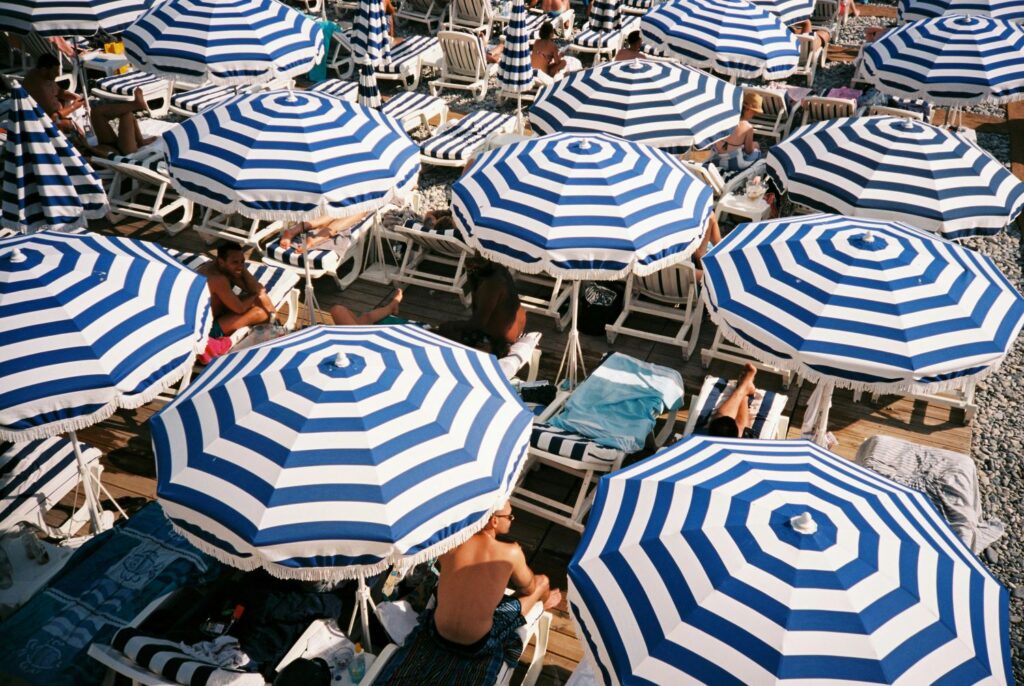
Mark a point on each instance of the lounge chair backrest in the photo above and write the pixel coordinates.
(825, 14)
(807, 50)
(463, 54)
(772, 102)
(471, 11)
(671, 284)
(704, 174)
(880, 111)
(424, 7)
(822, 109)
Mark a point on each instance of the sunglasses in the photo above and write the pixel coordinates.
(510, 517)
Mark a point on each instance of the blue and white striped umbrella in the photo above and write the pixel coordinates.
(90, 324)
(789, 12)
(69, 17)
(370, 39)
(369, 92)
(515, 70)
(605, 15)
(335, 452)
(952, 60)
(732, 37)
(292, 155)
(662, 104)
(864, 304)
(229, 42)
(732, 562)
(581, 207)
(46, 182)
(891, 168)
(912, 10)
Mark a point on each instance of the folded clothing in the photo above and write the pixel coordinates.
(617, 405)
(179, 663)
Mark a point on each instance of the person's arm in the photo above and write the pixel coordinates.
(523, 581)
(749, 144)
(221, 287)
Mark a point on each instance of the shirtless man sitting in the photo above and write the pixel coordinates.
(632, 49)
(60, 104)
(544, 55)
(232, 312)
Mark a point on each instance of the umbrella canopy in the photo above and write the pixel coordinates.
(732, 37)
(370, 41)
(662, 104)
(605, 15)
(90, 324)
(912, 10)
(864, 304)
(731, 561)
(291, 155)
(789, 12)
(892, 168)
(338, 451)
(952, 60)
(69, 17)
(46, 182)
(369, 92)
(230, 42)
(515, 71)
(581, 207)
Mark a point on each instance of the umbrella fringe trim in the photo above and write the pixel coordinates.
(545, 267)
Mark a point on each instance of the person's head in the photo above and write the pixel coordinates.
(753, 104)
(501, 521)
(547, 31)
(230, 258)
(725, 427)
(634, 40)
(49, 65)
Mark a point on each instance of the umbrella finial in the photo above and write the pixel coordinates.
(803, 523)
(15, 256)
(868, 237)
(341, 360)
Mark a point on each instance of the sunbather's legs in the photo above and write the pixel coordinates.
(542, 593)
(735, 405)
(231, 322)
(712, 235)
(346, 317)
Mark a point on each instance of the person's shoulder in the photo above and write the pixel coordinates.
(510, 551)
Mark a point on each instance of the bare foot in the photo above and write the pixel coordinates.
(746, 381)
(395, 302)
(140, 101)
(554, 598)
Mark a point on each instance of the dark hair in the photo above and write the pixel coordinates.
(225, 248)
(723, 426)
(47, 61)
(547, 30)
(633, 38)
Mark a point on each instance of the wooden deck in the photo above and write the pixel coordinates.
(129, 467)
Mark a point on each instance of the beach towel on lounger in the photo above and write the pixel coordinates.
(618, 404)
(427, 658)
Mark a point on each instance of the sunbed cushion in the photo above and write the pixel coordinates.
(596, 40)
(409, 104)
(463, 139)
(125, 84)
(553, 440)
(671, 284)
(167, 659)
(154, 162)
(35, 475)
(766, 409)
(202, 98)
(416, 225)
(407, 52)
(339, 88)
(324, 259)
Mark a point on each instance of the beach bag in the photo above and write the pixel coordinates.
(600, 305)
(215, 347)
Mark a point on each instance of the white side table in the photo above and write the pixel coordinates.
(742, 206)
(106, 62)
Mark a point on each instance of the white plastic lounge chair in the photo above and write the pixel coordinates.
(603, 44)
(669, 294)
(709, 174)
(826, 16)
(773, 121)
(249, 233)
(817, 109)
(121, 87)
(881, 111)
(323, 260)
(408, 59)
(340, 59)
(141, 188)
(457, 140)
(810, 58)
(428, 12)
(465, 64)
(339, 88)
(766, 408)
(576, 455)
(190, 102)
(474, 16)
(414, 110)
(429, 247)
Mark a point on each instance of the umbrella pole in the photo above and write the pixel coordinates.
(91, 497)
(311, 303)
(572, 358)
(821, 428)
(363, 604)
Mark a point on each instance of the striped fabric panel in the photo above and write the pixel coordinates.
(672, 284)
(515, 71)
(67, 18)
(596, 40)
(766, 410)
(321, 259)
(407, 51)
(370, 41)
(638, 4)
(167, 659)
(154, 163)
(408, 104)
(573, 446)
(31, 471)
(604, 15)
(466, 136)
(416, 225)
(203, 98)
(125, 84)
(339, 88)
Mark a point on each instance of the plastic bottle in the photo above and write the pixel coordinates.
(357, 665)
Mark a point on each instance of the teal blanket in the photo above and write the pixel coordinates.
(104, 585)
(617, 405)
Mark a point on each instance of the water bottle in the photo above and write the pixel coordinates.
(357, 665)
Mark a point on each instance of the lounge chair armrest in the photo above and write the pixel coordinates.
(375, 669)
(659, 439)
(555, 407)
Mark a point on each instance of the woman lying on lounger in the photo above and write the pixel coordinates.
(327, 233)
